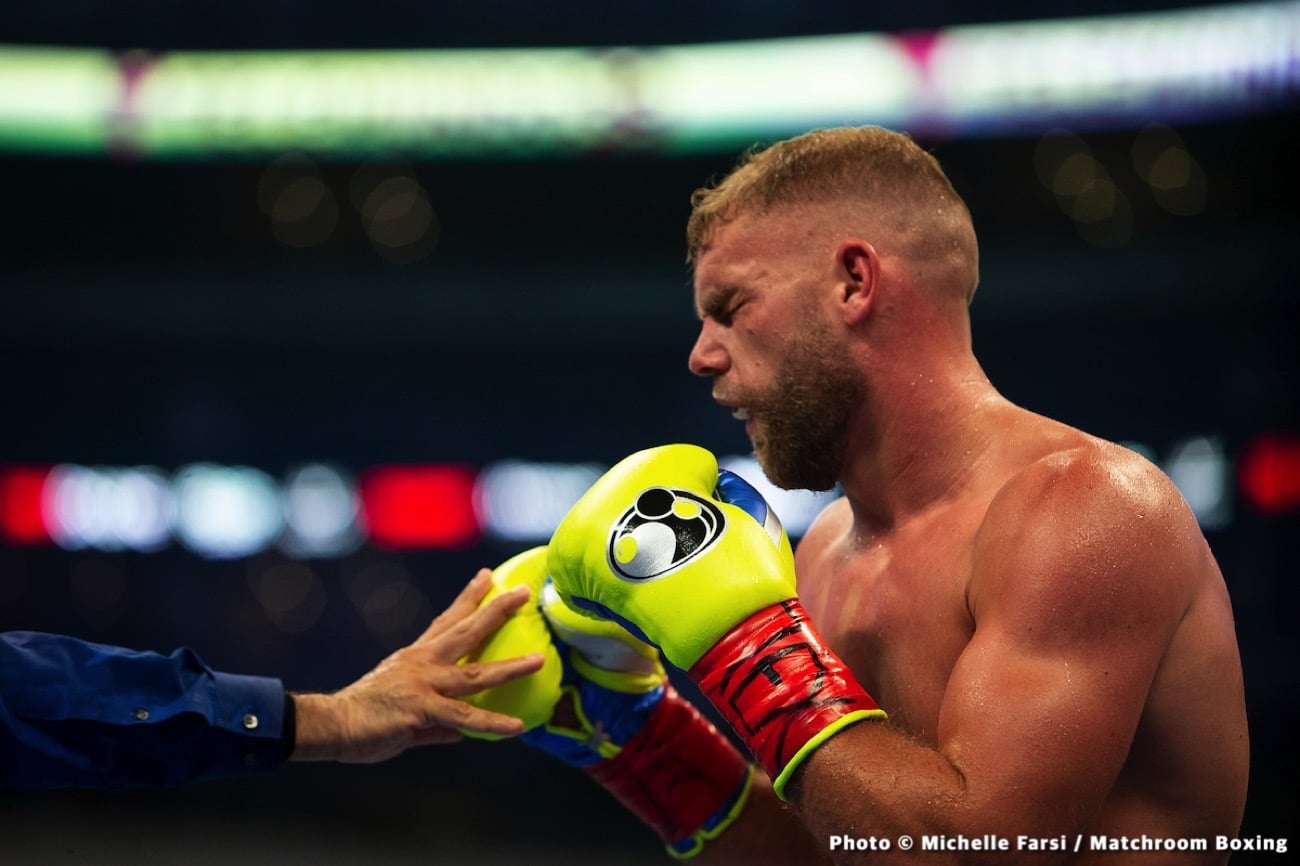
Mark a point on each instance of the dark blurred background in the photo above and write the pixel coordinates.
(153, 313)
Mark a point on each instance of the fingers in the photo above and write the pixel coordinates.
(441, 716)
(458, 638)
(467, 679)
(486, 722)
(461, 716)
(463, 605)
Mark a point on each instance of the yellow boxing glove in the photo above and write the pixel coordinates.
(693, 560)
(531, 698)
(602, 702)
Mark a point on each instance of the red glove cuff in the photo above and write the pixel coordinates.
(679, 774)
(780, 687)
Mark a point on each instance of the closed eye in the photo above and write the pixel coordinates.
(722, 305)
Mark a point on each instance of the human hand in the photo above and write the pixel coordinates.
(410, 698)
(598, 682)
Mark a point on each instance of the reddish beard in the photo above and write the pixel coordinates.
(801, 422)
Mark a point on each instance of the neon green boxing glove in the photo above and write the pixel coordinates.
(693, 560)
(532, 698)
(602, 702)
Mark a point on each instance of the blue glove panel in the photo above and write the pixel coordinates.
(607, 719)
(734, 490)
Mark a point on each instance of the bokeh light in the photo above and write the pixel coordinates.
(302, 209)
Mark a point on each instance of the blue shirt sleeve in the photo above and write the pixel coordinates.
(80, 714)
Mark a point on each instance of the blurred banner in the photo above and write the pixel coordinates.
(1088, 73)
(319, 510)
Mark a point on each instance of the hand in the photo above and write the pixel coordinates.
(602, 702)
(694, 560)
(410, 698)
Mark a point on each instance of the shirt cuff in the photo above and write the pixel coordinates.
(254, 709)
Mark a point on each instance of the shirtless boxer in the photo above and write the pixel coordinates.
(1035, 609)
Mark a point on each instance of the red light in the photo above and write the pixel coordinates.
(21, 520)
(420, 507)
(1269, 473)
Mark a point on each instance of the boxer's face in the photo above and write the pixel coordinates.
(773, 354)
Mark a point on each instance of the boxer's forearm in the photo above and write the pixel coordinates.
(768, 831)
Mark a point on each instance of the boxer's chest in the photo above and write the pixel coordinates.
(896, 612)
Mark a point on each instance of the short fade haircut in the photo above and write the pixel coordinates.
(871, 164)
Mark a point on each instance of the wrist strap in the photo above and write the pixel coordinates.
(781, 688)
(679, 775)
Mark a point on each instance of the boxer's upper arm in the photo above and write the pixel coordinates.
(1078, 583)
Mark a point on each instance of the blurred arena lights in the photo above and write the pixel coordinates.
(521, 501)
(1089, 193)
(108, 509)
(1269, 473)
(226, 512)
(387, 597)
(22, 518)
(1085, 190)
(399, 220)
(1022, 78)
(1176, 178)
(423, 506)
(301, 207)
(320, 511)
(1200, 471)
(291, 594)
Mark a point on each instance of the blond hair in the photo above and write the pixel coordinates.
(884, 172)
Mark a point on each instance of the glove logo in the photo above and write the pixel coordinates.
(663, 530)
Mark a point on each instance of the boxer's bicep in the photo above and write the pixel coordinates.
(1075, 597)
